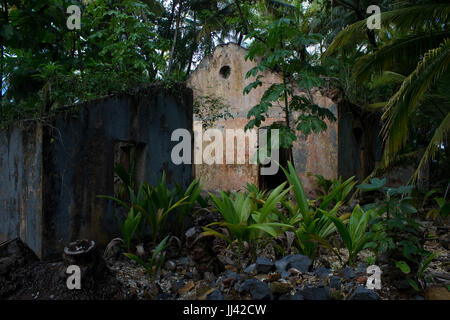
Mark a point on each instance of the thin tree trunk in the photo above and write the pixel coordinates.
(287, 114)
(169, 25)
(177, 27)
(193, 47)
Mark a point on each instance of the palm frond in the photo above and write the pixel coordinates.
(439, 136)
(387, 77)
(403, 103)
(403, 51)
(417, 18)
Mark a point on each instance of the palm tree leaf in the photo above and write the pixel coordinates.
(404, 19)
(435, 63)
(403, 51)
(387, 77)
(439, 135)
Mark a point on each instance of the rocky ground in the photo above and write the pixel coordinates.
(201, 268)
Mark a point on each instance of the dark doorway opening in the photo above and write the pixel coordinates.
(270, 182)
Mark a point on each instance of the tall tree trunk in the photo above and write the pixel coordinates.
(169, 25)
(193, 47)
(175, 36)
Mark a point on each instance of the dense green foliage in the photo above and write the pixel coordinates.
(399, 71)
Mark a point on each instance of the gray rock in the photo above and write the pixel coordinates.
(297, 261)
(258, 289)
(296, 296)
(170, 265)
(349, 286)
(215, 295)
(250, 269)
(362, 293)
(361, 269)
(264, 265)
(319, 293)
(322, 273)
(348, 273)
(177, 285)
(281, 265)
(209, 276)
(335, 282)
(233, 275)
(191, 233)
(184, 261)
(163, 296)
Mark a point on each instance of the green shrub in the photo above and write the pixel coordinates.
(247, 219)
(129, 227)
(154, 203)
(353, 233)
(313, 224)
(393, 227)
(336, 189)
(153, 265)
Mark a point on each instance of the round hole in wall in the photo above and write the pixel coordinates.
(225, 72)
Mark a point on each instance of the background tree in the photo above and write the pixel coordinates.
(414, 55)
(282, 48)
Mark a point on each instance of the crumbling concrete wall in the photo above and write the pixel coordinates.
(317, 153)
(73, 162)
(21, 184)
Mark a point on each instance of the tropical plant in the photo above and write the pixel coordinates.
(312, 221)
(192, 196)
(283, 47)
(353, 234)
(153, 265)
(158, 202)
(397, 201)
(417, 46)
(393, 228)
(129, 227)
(443, 206)
(153, 202)
(316, 229)
(258, 196)
(246, 221)
(416, 282)
(322, 184)
(338, 190)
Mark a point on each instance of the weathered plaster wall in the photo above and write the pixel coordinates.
(78, 149)
(317, 153)
(21, 184)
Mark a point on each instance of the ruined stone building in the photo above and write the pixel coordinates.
(52, 171)
(345, 149)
